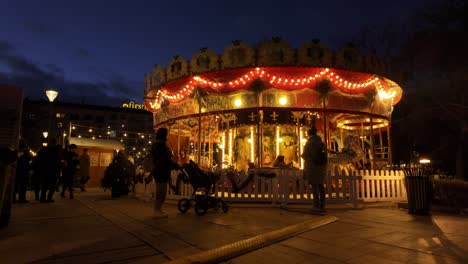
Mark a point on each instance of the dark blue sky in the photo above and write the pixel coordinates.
(98, 51)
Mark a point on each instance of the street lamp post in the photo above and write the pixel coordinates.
(51, 95)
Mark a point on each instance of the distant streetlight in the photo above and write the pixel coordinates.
(51, 95)
(424, 161)
(45, 134)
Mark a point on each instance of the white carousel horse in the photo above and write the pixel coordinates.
(351, 157)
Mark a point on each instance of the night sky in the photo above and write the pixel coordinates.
(98, 51)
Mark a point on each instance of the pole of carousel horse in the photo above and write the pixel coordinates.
(382, 152)
(325, 136)
(199, 131)
(389, 142)
(178, 141)
(372, 150)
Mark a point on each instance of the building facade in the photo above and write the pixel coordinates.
(132, 127)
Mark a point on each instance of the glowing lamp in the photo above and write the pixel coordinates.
(283, 101)
(237, 102)
(45, 134)
(51, 94)
(424, 161)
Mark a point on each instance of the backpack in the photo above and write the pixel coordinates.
(320, 156)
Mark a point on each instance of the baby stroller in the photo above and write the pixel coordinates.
(203, 187)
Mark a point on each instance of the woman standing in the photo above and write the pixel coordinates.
(163, 164)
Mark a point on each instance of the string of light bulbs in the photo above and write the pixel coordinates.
(277, 80)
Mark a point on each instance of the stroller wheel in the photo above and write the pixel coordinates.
(183, 205)
(201, 208)
(224, 206)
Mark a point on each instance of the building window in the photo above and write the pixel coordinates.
(59, 124)
(100, 119)
(74, 117)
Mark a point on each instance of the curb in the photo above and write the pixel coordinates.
(241, 247)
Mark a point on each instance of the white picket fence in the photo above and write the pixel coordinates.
(289, 187)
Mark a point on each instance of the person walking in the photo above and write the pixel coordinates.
(23, 168)
(85, 163)
(49, 169)
(69, 170)
(162, 160)
(315, 160)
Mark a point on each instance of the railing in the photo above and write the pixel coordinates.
(380, 186)
(288, 186)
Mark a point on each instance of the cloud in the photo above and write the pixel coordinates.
(5, 47)
(34, 79)
(36, 27)
(83, 53)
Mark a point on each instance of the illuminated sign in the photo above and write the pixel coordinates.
(133, 105)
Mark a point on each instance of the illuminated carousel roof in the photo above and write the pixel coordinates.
(276, 64)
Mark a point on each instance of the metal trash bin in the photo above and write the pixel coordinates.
(418, 190)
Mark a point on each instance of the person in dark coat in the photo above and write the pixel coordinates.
(118, 175)
(163, 164)
(69, 170)
(23, 169)
(315, 171)
(85, 163)
(49, 169)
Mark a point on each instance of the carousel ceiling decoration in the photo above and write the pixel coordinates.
(273, 62)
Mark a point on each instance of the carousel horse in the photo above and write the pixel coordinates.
(351, 157)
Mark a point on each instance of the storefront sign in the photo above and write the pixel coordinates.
(93, 159)
(133, 105)
(105, 159)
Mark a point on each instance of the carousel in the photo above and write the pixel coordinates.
(249, 106)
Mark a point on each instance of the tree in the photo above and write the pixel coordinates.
(431, 118)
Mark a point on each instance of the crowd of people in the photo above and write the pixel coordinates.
(51, 168)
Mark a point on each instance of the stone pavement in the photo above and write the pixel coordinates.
(95, 229)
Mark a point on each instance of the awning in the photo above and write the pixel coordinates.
(97, 143)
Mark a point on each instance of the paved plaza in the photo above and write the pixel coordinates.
(92, 228)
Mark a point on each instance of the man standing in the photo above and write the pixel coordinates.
(69, 171)
(23, 168)
(315, 157)
(84, 169)
(49, 169)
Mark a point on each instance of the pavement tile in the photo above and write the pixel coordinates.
(433, 259)
(103, 256)
(302, 244)
(154, 259)
(369, 258)
(319, 235)
(391, 237)
(273, 254)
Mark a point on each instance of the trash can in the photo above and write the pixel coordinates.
(418, 190)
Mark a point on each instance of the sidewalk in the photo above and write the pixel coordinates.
(95, 229)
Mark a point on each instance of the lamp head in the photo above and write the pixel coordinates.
(51, 94)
